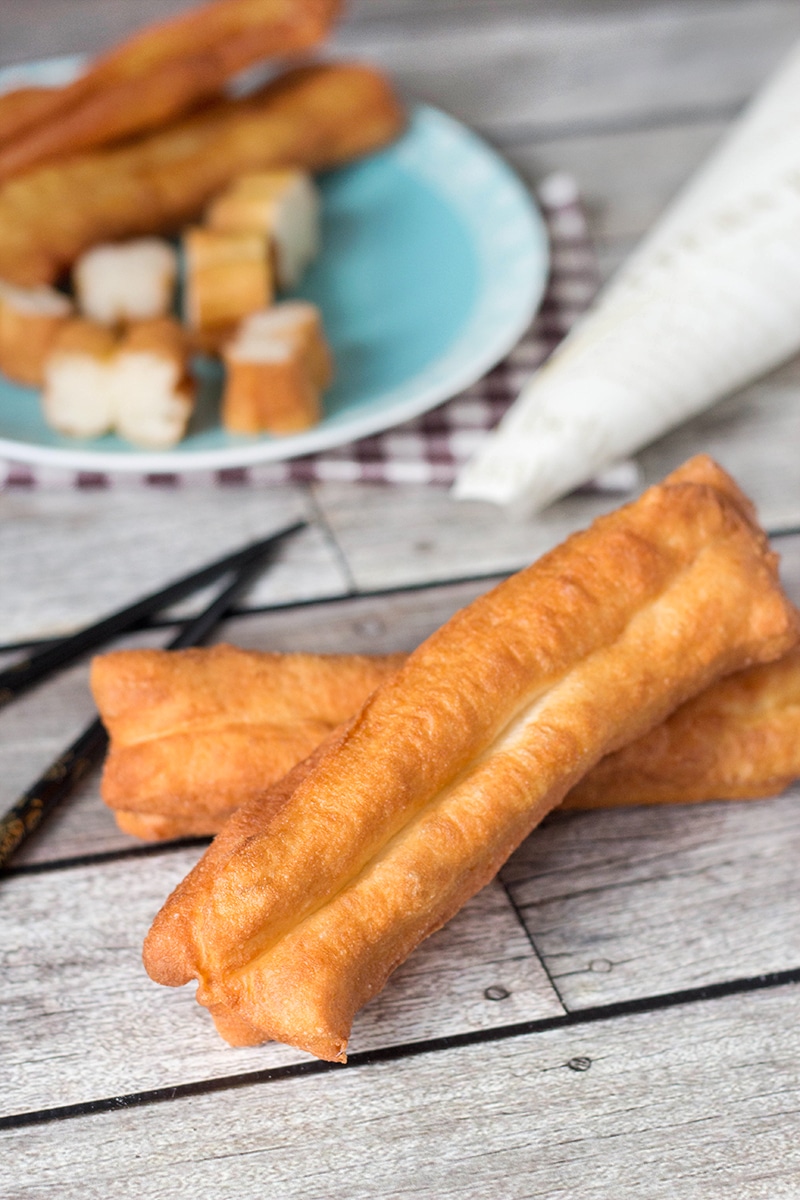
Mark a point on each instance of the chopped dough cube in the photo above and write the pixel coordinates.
(278, 365)
(227, 277)
(97, 380)
(78, 397)
(154, 395)
(30, 319)
(284, 206)
(132, 281)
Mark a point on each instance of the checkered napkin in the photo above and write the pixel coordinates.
(432, 448)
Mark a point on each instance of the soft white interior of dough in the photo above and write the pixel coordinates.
(152, 408)
(131, 281)
(78, 397)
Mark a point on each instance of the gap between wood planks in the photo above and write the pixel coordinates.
(425, 585)
(579, 1017)
(513, 136)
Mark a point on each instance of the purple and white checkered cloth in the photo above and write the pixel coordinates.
(432, 448)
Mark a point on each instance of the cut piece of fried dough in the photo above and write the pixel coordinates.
(278, 365)
(78, 395)
(194, 731)
(136, 382)
(296, 918)
(30, 321)
(154, 77)
(313, 117)
(154, 393)
(282, 205)
(129, 281)
(227, 277)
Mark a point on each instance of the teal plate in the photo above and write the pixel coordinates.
(434, 262)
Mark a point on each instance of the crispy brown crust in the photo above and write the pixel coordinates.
(194, 732)
(227, 276)
(313, 117)
(738, 740)
(26, 340)
(151, 827)
(294, 920)
(281, 396)
(79, 335)
(276, 398)
(162, 336)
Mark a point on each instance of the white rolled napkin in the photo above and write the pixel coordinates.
(708, 302)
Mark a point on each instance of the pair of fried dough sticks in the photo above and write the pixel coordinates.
(311, 117)
(314, 892)
(154, 77)
(194, 734)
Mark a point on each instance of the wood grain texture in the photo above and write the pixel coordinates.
(34, 730)
(626, 177)
(82, 1020)
(414, 534)
(698, 1102)
(653, 900)
(504, 71)
(69, 557)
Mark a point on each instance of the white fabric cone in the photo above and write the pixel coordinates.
(709, 301)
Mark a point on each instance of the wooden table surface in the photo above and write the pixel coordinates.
(618, 1015)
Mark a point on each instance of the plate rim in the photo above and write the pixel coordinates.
(324, 438)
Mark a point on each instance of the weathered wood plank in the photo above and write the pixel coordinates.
(404, 535)
(412, 534)
(68, 557)
(415, 534)
(81, 1019)
(696, 1101)
(501, 67)
(789, 551)
(645, 901)
(507, 71)
(626, 177)
(34, 730)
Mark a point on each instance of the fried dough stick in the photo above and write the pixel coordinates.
(194, 732)
(20, 108)
(313, 117)
(295, 919)
(738, 740)
(157, 75)
(180, 769)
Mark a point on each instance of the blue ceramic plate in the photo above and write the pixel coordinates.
(434, 261)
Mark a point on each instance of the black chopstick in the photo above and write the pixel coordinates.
(35, 667)
(72, 764)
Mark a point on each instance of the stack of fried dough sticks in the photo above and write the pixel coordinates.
(650, 658)
(147, 134)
